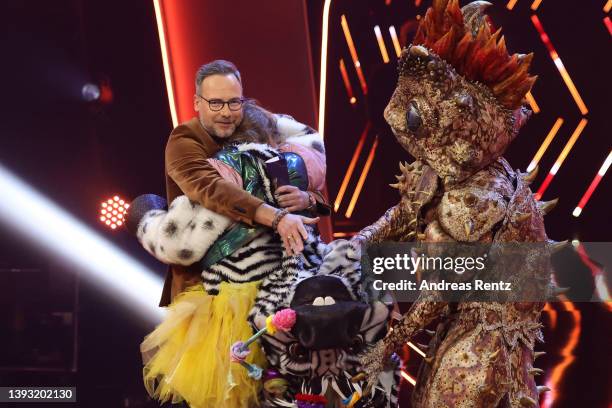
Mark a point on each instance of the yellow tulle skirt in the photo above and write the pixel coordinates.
(187, 356)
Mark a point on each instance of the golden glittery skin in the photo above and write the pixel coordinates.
(460, 189)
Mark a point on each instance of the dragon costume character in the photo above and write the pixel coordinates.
(457, 106)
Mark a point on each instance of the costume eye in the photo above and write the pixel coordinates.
(464, 101)
(298, 352)
(413, 118)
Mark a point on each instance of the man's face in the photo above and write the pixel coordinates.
(222, 88)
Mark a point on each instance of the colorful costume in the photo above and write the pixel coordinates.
(247, 276)
(456, 108)
(187, 356)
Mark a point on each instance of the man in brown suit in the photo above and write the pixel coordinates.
(218, 101)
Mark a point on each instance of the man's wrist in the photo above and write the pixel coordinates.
(312, 202)
(264, 215)
(280, 214)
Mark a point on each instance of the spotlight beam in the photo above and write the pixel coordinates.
(60, 233)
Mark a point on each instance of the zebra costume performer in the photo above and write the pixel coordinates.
(247, 276)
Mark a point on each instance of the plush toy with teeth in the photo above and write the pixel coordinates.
(334, 323)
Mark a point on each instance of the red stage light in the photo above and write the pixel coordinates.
(112, 212)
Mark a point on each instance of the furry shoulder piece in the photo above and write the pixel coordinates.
(292, 131)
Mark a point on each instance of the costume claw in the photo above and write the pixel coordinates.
(523, 217)
(547, 206)
(528, 402)
(558, 246)
(542, 388)
(530, 176)
(535, 371)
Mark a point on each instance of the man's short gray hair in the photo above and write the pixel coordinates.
(216, 67)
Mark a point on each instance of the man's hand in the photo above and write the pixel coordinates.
(292, 232)
(292, 198)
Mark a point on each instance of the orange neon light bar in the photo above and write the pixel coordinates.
(549, 138)
(535, 4)
(166, 63)
(532, 102)
(381, 44)
(561, 158)
(511, 4)
(552, 315)
(396, 44)
(559, 64)
(353, 51)
(347, 82)
(408, 378)
(415, 348)
(351, 167)
(361, 181)
(343, 234)
(608, 6)
(587, 195)
(566, 353)
(323, 81)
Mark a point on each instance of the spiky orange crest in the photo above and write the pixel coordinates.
(476, 53)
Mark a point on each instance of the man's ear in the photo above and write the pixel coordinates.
(195, 103)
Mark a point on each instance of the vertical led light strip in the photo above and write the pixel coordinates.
(381, 44)
(561, 158)
(159, 17)
(351, 167)
(347, 82)
(587, 195)
(396, 44)
(559, 64)
(362, 178)
(323, 81)
(608, 24)
(549, 138)
(353, 51)
(532, 102)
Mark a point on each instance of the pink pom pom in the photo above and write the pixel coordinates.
(284, 319)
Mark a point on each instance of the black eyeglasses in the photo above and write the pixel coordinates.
(216, 105)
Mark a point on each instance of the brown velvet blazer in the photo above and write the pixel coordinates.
(188, 172)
